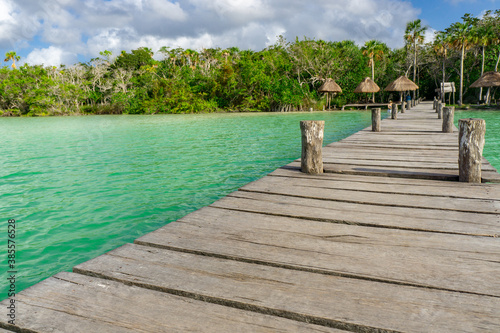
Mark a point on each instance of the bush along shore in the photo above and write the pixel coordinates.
(283, 77)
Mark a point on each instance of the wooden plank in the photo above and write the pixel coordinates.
(398, 185)
(429, 220)
(408, 157)
(388, 171)
(396, 140)
(408, 164)
(74, 303)
(391, 146)
(318, 189)
(398, 155)
(415, 163)
(430, 174)
(388, 255)
(329, 300)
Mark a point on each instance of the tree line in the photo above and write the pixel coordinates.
(283, 77)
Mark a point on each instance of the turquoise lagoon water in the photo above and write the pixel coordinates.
(81, 186)
(492, 137)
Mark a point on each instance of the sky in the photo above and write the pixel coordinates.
(54, 32)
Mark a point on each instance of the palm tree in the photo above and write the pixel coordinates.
(12, 56)
(440, 46)
(374, 50)
(461, 38)
(483, 35)
(493, 22)
(414, 35)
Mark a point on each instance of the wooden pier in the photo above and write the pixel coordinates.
(387, 240)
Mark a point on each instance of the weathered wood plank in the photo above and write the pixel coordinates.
(371, 253)
(407, 157)
(390, 146)
(408, 164)
(388, 171)
(330, 300)
(429, 220)
(318, 189)
(437, 142)
(74, 303)
(417, 163)
(399, 185)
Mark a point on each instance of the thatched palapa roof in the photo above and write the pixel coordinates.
(330, 86)
(367, 86)
(489, 79)
(402, 83)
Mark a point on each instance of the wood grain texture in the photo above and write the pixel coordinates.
(319, 189)
(428, 220)
(370, 253)
(75, 303)
(336, 301)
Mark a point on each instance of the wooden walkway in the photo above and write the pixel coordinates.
(386, 241)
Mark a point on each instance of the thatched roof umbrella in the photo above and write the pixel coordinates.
(401, 84)
(367, 86)
(328, 87)
(489, 79)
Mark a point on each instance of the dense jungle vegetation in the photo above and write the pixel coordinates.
(283, 77)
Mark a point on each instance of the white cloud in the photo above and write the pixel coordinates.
(86, 27)
(430, 35)
(168, 9)
(51, 56)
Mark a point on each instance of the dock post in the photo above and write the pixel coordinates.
(408, 105)
(471, 144)
(440, 109)
(312, 141)
(376, 120)
(448, 117)
(403, 107)
(394, 111)
(434, 104)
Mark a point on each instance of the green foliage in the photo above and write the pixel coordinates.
(283, 77)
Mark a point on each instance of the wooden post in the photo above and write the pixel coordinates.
(448, 115)
(434, 104)
(403, 107)
(376, 120)
(312, 141)
(440, 109)
(408, 105)
(394, 111)
(471, 144)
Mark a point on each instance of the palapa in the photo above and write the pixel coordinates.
(330, 86)
(367, 86)
(402, 83)
(489, 79)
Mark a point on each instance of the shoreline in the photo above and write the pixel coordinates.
(495, 108)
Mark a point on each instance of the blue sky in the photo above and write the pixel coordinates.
(439, 14)
(54, 32)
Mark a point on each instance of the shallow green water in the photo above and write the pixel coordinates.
(81, 186)
(492, 138)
